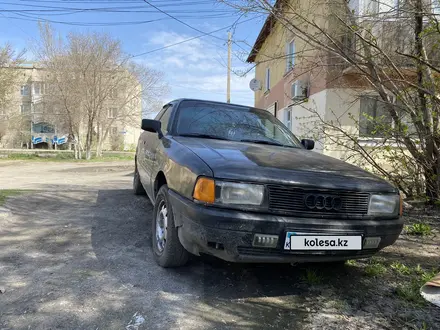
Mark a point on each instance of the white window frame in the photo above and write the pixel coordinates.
(111, 112)
(370, 7)
(435, 7)
(275, 108)
(288, 121)
(37, 84)
(374, 95)
(290, 55)
(398, 6)
(22, 106)
(113, 93)
(24, 90)
(267, 80)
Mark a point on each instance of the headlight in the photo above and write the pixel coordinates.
(384, 205)
(239, 193)
(228, 193)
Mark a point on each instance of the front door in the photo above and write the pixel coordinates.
(151, 148)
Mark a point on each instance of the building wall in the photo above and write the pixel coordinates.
(273, 55)
(15, 120)
(305, 125)
(273, 47)
(333, 95)
(131, 138)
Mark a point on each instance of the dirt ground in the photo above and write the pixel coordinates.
(75, 254)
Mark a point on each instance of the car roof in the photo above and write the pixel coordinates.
(177, 101)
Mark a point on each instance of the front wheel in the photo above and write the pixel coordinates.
(167, 249)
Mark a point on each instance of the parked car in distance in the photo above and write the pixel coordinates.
(233, 182)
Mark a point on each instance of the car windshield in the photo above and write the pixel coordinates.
(235, 123)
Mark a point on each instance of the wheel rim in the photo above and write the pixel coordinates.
(161, 226)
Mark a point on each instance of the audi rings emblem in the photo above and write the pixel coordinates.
(323, 202)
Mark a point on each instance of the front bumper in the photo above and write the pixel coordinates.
(228, 234)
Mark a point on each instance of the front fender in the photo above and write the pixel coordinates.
(181, 167)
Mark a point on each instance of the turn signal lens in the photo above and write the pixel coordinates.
(204, 190)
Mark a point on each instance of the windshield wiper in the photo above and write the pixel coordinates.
(204, 136)
(273, 143)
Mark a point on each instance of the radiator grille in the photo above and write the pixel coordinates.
(285, 199)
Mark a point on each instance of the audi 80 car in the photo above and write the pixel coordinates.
(233, 182)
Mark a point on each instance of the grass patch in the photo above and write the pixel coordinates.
(64, 156)
(418, 270)
(424, 326)
(107, 158)
(401, 268)
(312, 277)
(4, 194)
(419, 229)
(351, 263)
(410, 291)
(375, 269)
(429, 275)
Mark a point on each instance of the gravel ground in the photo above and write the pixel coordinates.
(75, 254)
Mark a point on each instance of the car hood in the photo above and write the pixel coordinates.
(272, 164)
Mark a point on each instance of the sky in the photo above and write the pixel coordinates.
(192, 69)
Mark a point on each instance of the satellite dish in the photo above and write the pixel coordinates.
(255, 85)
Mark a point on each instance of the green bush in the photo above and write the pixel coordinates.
(420, 229)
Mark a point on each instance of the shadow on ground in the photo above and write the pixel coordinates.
(216, 293)
(76, 258)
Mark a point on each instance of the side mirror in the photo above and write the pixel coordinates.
(151, 125)
(308, 144)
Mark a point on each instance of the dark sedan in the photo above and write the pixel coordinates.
(232, 181)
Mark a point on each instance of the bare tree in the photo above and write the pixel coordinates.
(9, 61)
(131, 88)
(94, 85)
(386, 48)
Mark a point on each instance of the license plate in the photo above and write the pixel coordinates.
(299, 241)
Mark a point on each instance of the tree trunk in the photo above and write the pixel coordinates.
(100, 142)
(89, 137)
(74, 139)
(431, 169)
(432, 189)
(80, 149)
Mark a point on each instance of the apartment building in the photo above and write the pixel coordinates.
(298, 82)
(27, 123)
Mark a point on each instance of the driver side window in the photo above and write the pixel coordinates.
(165, 118)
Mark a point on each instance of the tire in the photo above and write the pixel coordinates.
(168, 252)
(138, 189)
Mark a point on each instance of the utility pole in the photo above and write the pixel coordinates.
(228, 86)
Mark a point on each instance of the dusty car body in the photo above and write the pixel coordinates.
(231, 181)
